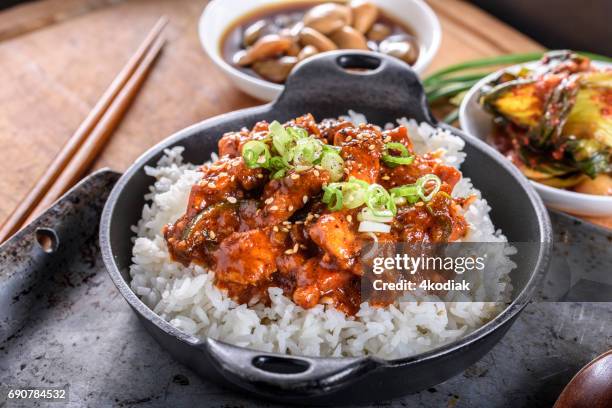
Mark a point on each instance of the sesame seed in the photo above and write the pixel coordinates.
(305, 199)
(348, 139)
(295, 248)
(275, 228)
(289, 251)
(233, 178)
(290, 208)
(371, 147)
(232, 200)
(274, 208)
(286, 222)
(260, 176)
(269, 200)
(419, 204)
(349, 218)
(212, 235)
(211, 185)
(285, 229)
(295, 176)
(386, 178)
(223, 174)
(316, 173)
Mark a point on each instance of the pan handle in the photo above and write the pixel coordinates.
(286, 376)
(357, 80)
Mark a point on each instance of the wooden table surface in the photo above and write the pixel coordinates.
(57, 57)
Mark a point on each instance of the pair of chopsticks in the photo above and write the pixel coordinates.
(85, 144)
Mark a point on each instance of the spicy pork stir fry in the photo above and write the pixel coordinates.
(292, 206)
(554, 121)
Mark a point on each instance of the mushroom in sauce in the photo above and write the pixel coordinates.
(271, 43)
(275, 70)
(349, 38)
(255, 31)
(308, 51)
(364, 15)
(310, 36)
(329, 17)
(403, 47)
(379, 32)
(266, 47)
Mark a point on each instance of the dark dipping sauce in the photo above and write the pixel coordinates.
(381, 33)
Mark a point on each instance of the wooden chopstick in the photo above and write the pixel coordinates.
(131, 76)
(87, 153)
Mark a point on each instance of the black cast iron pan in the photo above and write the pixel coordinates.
(329, 85)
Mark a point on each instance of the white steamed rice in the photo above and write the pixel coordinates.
(187, 298)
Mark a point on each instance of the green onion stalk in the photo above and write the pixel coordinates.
(451, 83)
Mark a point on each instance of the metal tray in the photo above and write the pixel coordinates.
(64, 324)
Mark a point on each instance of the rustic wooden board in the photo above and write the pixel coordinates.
(57, 57)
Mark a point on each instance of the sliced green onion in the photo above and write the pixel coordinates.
(362, 183)
(279, 174)
(381, 205)
(397, 146)
(255, 154)
(306, 152)
(378, 200)
(282, 141)
(391, 205)
(332, 196)
(394, 161)
(422, 183)
(405, 194)
(278, 166)
(297, 132)
(354, 193)
(292, 149)
(367, 215)
(331, 148)
(333, 163)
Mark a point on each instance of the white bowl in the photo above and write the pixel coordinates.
(477, 122)
(220, 14)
